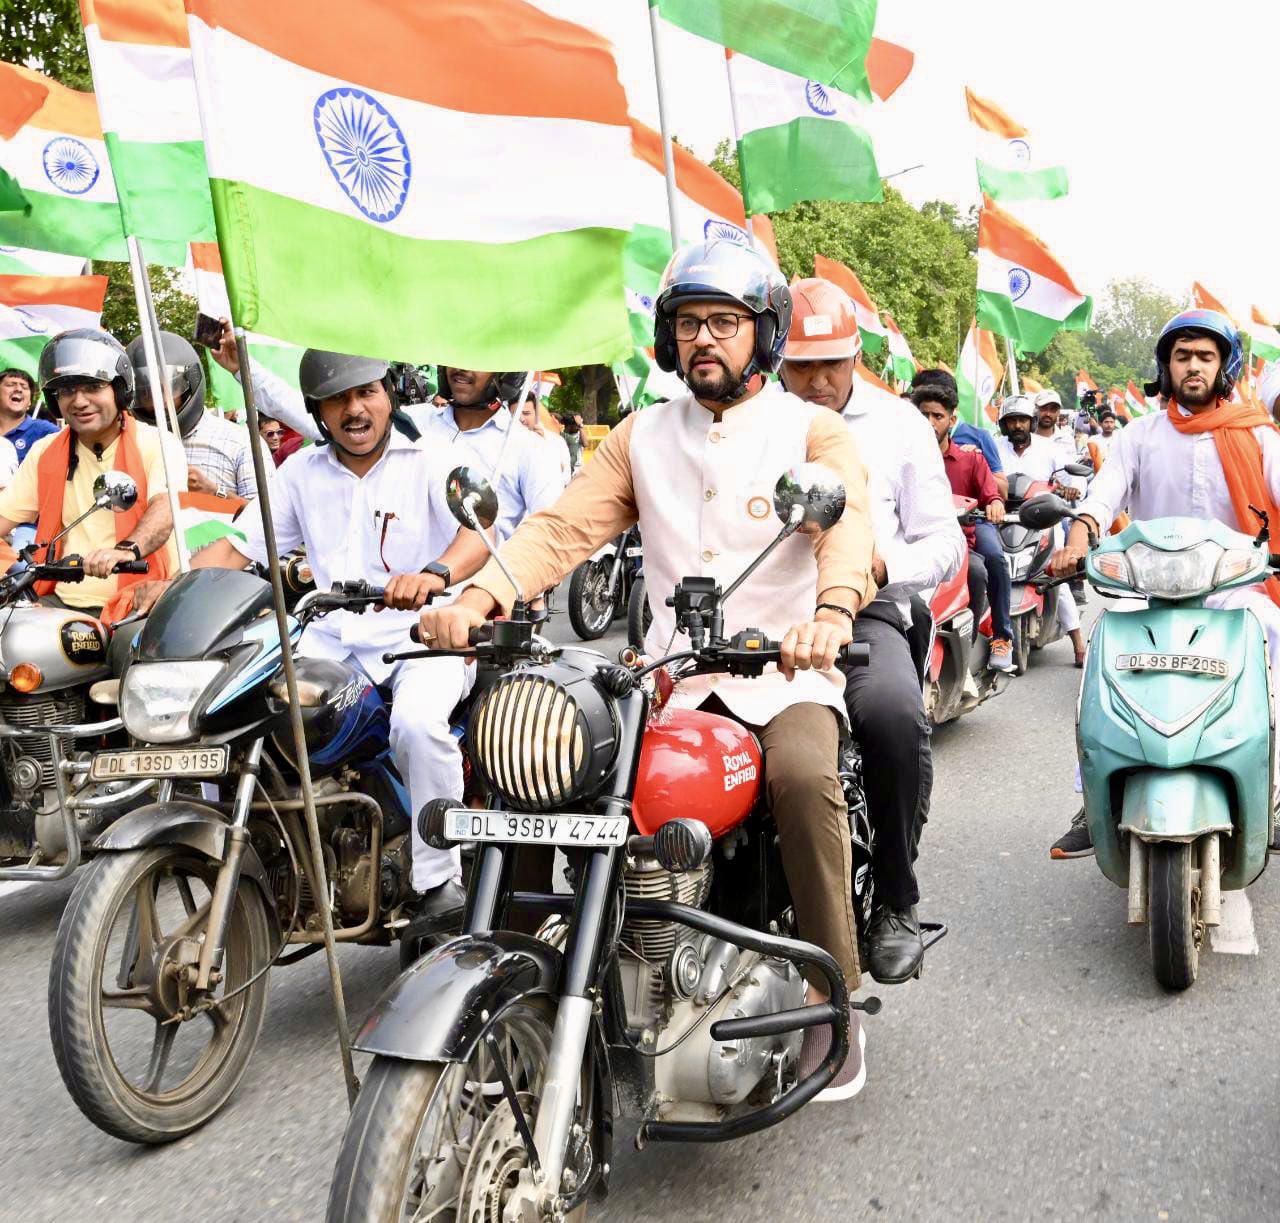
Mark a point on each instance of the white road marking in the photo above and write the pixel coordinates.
(1235, 936)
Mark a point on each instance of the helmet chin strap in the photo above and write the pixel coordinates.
(733, 394)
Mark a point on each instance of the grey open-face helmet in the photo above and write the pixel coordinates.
(181, 368)
(323, 374)
(85, 353)
(1016, 405)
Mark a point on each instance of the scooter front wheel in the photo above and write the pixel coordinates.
(1173, 918)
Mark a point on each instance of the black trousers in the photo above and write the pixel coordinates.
(886, 713)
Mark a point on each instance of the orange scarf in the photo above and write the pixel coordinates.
(1240, 452)
(51, 483)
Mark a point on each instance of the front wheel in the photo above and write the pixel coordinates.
(593, 600)
(1174, 915)
(639, 617)
(430, 1140)
(143, 1055)
(1023, 633)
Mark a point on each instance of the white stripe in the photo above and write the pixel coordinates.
(144, 93)
(974, 364)
(1043, 297)
(45, 263)
(24, 158)
(868, 319)
(1022, 155)
(1262, 334)
(212, 299)
(473, 178)
(898, 345)
(768, 97)
(24, 322)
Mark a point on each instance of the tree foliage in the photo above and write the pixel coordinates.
(46, 35)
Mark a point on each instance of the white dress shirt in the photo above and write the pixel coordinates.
(393, 519)
(917, 535)
(1039, 460)
(529, 479)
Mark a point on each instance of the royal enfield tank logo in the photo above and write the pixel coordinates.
(758, 508)
(69, 164)
(83, 643)
(365, 150)
(738, 770)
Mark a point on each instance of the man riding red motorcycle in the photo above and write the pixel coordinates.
(697, 474)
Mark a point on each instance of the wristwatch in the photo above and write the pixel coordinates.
(127, 545)
(440, 571)
(220, 491)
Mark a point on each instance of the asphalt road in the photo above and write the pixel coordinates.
(1035, 1071)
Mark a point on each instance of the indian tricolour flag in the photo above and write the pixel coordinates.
(204, 519)
(146, 91)
(1264, 335)
(21, 261)
(978, 377)
(34, 308)
(903, 363)
(1135, 402)
(1010, 166)
(1024, 293)
(798, 139)
(59, 162)
(1204, 300)
(394, 199)
(874, 333)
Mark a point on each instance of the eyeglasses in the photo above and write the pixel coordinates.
(720, 326)
(270, 433)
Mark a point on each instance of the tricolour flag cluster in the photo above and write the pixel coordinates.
(33, 308)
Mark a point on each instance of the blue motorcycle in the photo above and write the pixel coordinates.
(158, 985)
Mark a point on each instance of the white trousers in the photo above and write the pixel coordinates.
(424, 692)
(1256, 599)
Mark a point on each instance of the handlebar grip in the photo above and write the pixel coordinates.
(479, 634)
(855, 654)
(1274, 560)
(415, 635)
(131, 567)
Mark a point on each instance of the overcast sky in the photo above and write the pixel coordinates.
(1160, 109)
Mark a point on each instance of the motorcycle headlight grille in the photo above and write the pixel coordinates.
(541, 742)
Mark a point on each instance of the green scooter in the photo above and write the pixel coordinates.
(1175, 725)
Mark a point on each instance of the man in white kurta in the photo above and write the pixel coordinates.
(1155, 471)
(698, 473)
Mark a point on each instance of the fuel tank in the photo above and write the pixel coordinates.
(344, 716)
(699, 766)
(68, 647)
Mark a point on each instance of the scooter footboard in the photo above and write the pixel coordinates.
(1175, 804)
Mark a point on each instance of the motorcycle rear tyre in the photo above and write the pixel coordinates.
(580, 616)
(1022, 644)
(1173, 916)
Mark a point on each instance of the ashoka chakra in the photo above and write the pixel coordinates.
(722, 229)
(1019, 282)
(365, 150)
(69, 164)
(819, 99)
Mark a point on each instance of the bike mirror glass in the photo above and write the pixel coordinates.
(464, 487)
(118, 490)
(815, 489)
(1082, 468)
(1044, 511)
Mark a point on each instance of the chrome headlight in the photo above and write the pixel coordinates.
(1174, 575)
(157, 698)
(543, 737)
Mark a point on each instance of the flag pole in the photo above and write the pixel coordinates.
(511, 425)
(979, 408)
(320, 880)
(1012, 355)
(668, 153)
(161, 396)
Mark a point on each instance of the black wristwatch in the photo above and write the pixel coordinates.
(440, 571)
(122, 544)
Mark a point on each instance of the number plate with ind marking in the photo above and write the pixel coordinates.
(1189, 664)
(161, 762)
(526, 828)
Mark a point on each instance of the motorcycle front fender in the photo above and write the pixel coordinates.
(438, 1010)
(605, 552)
(1025, 598)
(1175, 804)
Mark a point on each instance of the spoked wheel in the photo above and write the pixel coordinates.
(593, 601)
(1022, 637)
(142, 1053)
(430, 1141)
(639, 617)
(1174, 915)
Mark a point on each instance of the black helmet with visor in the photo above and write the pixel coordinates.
(181, 368)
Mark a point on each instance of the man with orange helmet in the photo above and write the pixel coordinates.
(918, 545)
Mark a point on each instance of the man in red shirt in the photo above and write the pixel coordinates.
(970, 476)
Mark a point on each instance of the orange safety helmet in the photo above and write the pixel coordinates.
(824, 323)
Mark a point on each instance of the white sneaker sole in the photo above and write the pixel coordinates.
(850, 1089)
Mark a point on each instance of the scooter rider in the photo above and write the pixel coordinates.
(918, 545)
(86, 378)
(1202, 457)
(697, 473)
(368, 502)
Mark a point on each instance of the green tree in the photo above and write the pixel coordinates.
(1129, 316)
(46, 35)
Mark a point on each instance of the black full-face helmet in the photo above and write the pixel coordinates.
(181, 368)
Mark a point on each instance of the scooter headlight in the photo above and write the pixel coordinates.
(157, 699)
(1174, 575)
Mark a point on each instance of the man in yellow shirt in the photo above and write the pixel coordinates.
(87, 379)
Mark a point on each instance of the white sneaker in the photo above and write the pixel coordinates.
(852, 1076)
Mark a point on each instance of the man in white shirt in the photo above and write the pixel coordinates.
(918, 545)
(368, 502)
(1168, 464)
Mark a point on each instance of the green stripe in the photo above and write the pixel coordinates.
(1263, 350)
(69, 226)
(163, 189)
(202, 534)
(822, 40)
(807, 159)
(23, 353)
(12, 198)
(1031, 332)
(315, 277)
(1013, 185)
(872, 341)
(281, 359)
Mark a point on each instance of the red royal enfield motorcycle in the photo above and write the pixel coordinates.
(668, 980)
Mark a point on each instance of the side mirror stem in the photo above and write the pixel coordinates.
(797, 517)
(469, 509)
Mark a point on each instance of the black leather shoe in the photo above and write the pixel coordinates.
(436, 915)
(895, 949)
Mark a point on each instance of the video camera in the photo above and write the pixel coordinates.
(410, 383)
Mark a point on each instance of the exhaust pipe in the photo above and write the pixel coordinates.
(1137, 880)
(1210, 881)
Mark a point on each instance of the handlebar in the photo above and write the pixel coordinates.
(354, 595)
